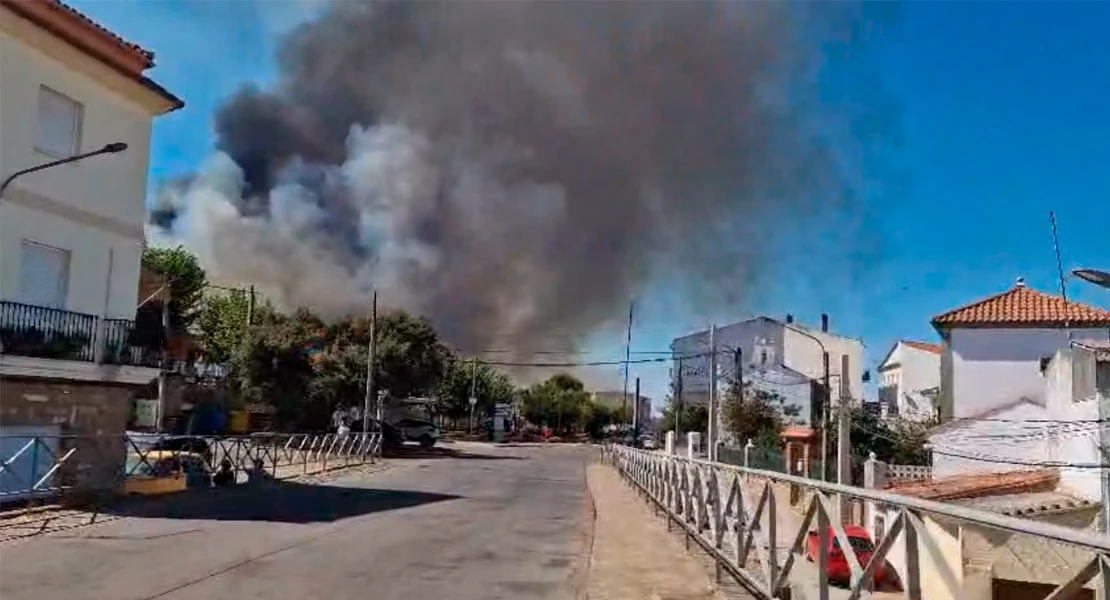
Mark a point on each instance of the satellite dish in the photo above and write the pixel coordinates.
(1101, 278)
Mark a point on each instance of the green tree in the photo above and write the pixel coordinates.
(220, 324)
(274, 366)
(752, 413)
(490, 386)
(185, 278)
(688, 418)
(899, 441)
(560, 402)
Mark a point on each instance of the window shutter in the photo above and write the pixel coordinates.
(1083, 375)
(59, 119)
(44, 275)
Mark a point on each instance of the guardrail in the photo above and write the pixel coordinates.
(738, 517)
(35, 467)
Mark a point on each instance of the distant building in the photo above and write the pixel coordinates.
(909, 381)
(1003, 371)
(779, 356)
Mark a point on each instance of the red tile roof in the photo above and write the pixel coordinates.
(935, 349)
(1023, 307)
(95, 40)
(980, 485)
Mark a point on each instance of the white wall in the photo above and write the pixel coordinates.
(914, 370)
(86, 207)
(784, 346)
(993, 367)
(1075, 442)
(1005, 437)
(804, 356)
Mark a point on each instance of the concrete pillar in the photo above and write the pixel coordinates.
(874, 473)
(748, 454)
(693, 444)
(807, 469)
(669, 442)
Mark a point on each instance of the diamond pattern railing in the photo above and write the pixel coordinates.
(733, 513)
(51, 466)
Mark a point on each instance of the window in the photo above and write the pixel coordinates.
(59, 132)
(43, 274)
(1102, 377)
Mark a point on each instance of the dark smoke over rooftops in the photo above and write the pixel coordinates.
(513, 169)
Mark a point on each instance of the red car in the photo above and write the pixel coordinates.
(838, 570)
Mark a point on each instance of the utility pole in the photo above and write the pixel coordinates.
(627, 360)
(826, 399)
(738, 368)
(164, 371)
(371, 360)
(473, 389)
(250, 307)
(678, 402)
(712, 425)
(636, 416)
(843, 436)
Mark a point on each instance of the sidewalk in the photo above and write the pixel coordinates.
(633, 556)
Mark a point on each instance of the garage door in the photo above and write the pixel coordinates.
(28, 454)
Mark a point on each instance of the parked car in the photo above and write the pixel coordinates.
(647, 443)
(184, 443)
(391, 436)
(427, 434)
(838, 569)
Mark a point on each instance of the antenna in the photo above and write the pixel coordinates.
(1060, 270)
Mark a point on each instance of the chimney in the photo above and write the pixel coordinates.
(825, 322)
(1020, 282)
(789, 318)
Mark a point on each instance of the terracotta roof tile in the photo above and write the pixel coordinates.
(927, 347)
(149, 55)
(1023, 306)
(980, 485)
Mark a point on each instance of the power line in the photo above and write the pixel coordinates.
(596, 363)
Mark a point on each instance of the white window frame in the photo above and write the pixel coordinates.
(64, 275)
(78, 122)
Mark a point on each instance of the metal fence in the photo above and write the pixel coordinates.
(58, 467)
(738, 516)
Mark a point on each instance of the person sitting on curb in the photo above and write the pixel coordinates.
(224, 476)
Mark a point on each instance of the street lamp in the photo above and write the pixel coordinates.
(113, 148)
(1099, 278)
(826, 401)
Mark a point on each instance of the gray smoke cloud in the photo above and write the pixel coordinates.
(513, 169)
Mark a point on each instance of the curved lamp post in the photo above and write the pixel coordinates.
(1099, 278)
(113, 148)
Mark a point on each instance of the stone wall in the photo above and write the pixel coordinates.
(92, 419)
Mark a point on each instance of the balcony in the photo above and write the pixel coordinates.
(41, 332)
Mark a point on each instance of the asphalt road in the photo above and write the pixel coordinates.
(486, 522)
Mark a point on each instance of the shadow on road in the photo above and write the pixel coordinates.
(439, 452)
(278, 501)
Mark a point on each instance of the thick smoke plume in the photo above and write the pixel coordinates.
(513, 169)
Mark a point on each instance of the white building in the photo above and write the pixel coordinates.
(909, 380)
(998, 388)
(71, 236)
(779, 356)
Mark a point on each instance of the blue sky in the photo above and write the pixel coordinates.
(1004, 118)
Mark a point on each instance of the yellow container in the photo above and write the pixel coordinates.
(239, 421)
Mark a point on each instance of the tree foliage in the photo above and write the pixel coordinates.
(220, 324)
(185, 277)
(560, 402)
(752, 413)
(489, 385)
(899, 442)
(688, 418)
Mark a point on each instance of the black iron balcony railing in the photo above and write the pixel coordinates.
(126, 343)
(42, 332)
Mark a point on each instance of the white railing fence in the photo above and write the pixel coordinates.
(746, 520)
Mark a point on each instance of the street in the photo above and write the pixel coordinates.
(474, 521)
